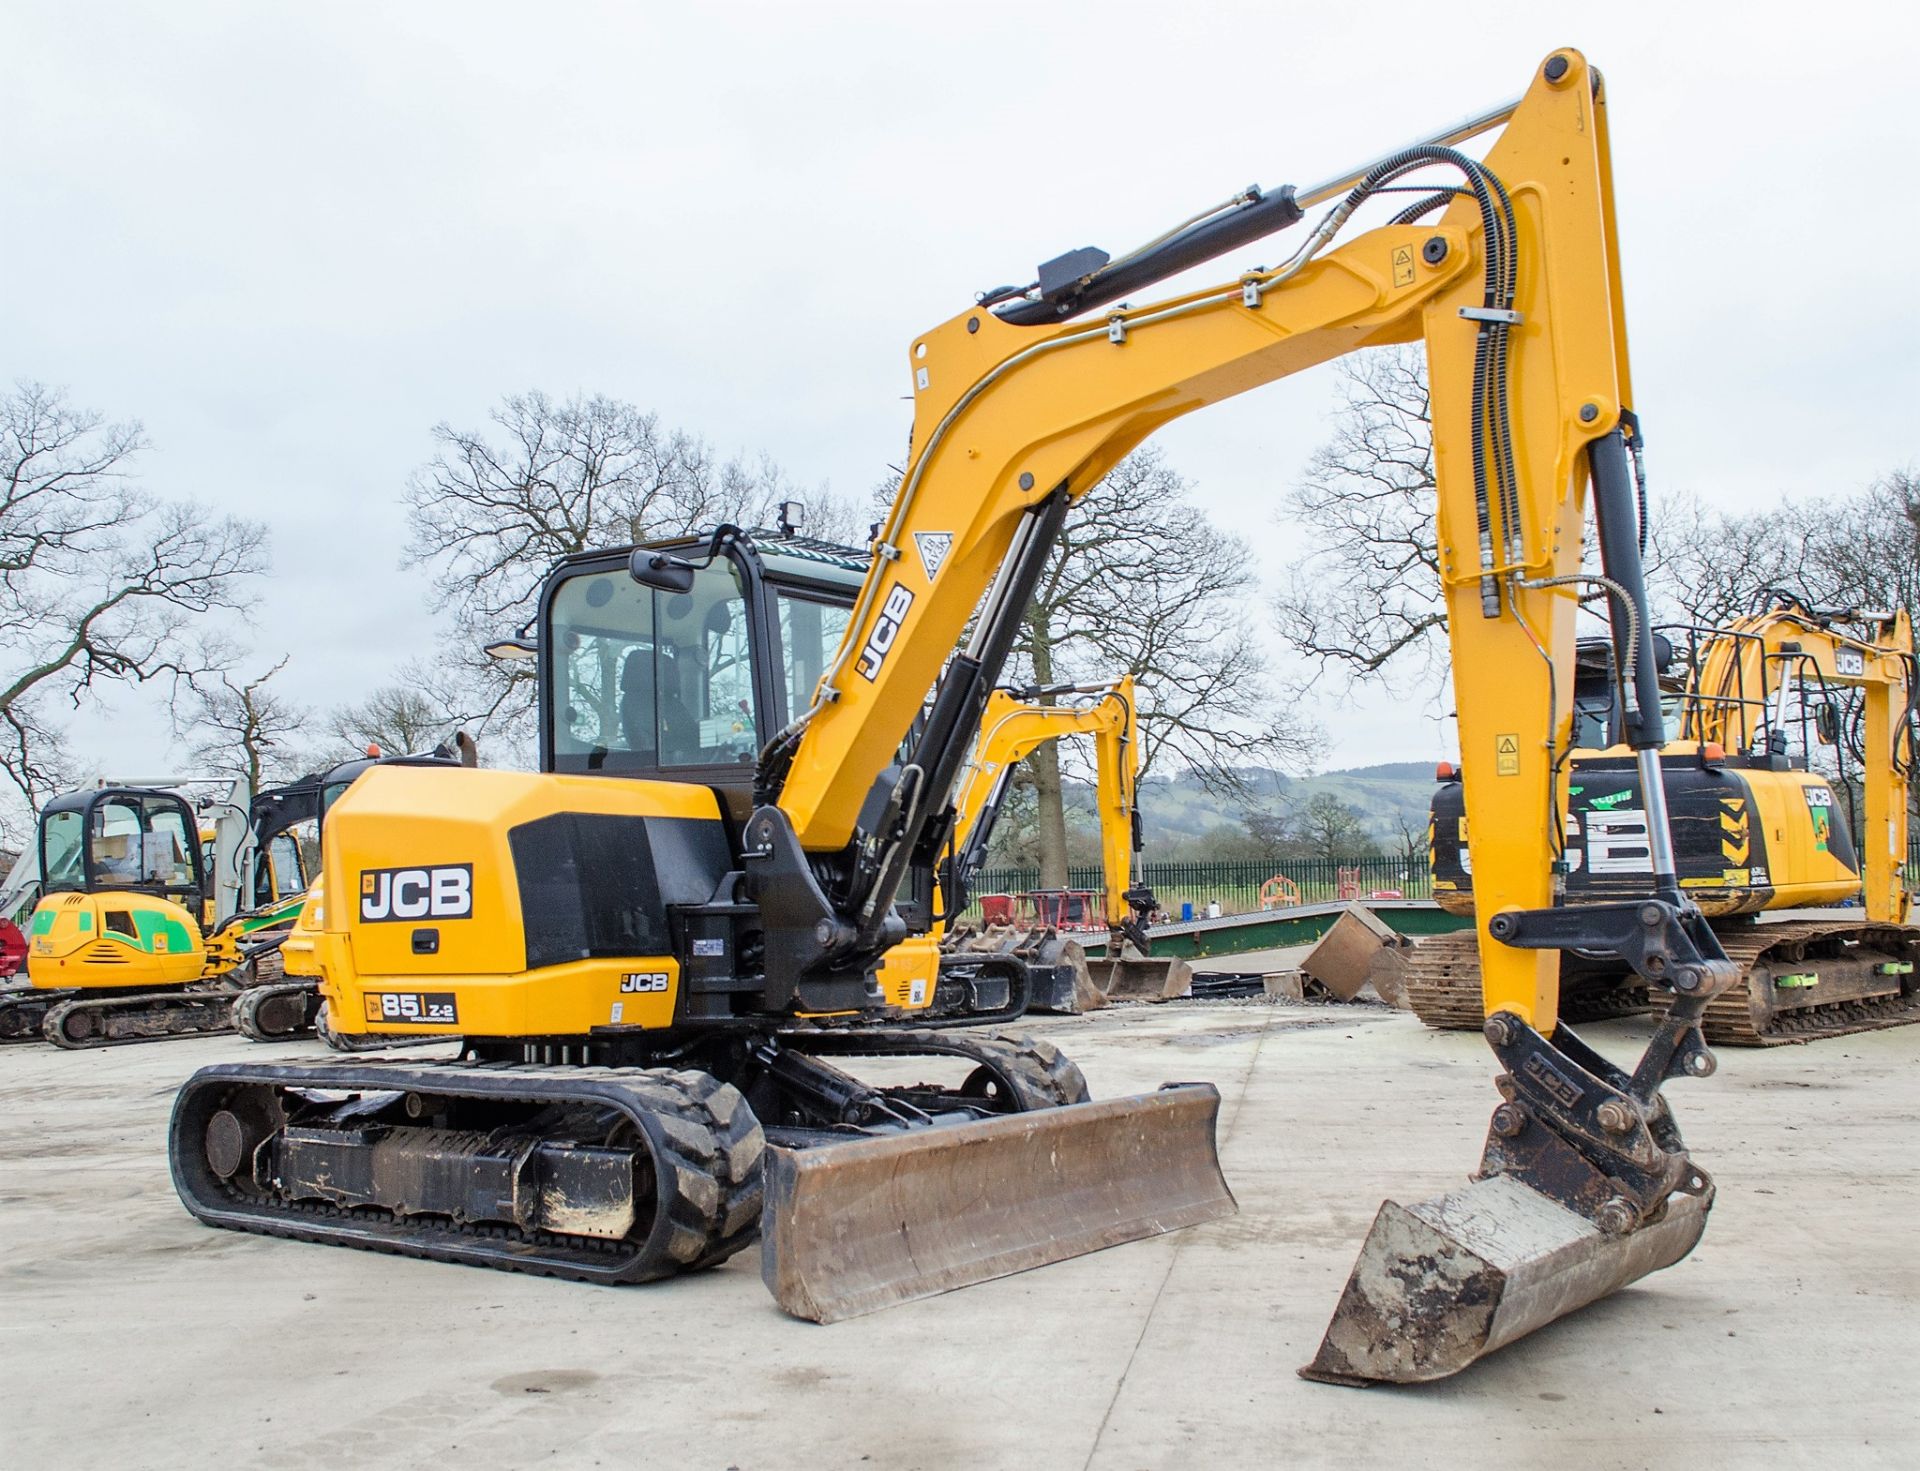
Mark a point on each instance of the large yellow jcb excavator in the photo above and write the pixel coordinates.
(1059, 977)
(655, 979)
(1763, 841)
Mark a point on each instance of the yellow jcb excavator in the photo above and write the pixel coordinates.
(1763, 841)
(139, 932)
(657, 980)
(1017, 722)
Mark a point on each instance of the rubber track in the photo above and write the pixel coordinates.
(1729, 1016)
(714, 1147)
(1040, 1074)
(211, 1001)
(20, 1005)
(1443, 988)
(246, 1010)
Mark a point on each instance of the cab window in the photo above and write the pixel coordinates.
(140, 840)
(643, 679)
(279, 869)
(63, 850)
(810, 633)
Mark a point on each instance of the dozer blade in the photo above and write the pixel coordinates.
(1136, 977)
(850, 1228)
(1443, 1283)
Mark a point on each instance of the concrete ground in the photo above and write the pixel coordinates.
(131, 1336)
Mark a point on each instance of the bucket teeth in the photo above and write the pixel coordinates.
(1441, 1284)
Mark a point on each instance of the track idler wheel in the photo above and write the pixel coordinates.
(71, 1026)
(276, 1012)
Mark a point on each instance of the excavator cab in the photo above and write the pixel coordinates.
(680, 661)
(123, 838)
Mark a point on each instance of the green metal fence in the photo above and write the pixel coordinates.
(1238, 887)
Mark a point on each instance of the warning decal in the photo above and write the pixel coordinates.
(934, 546)
(1403, 265)
(1506, 755)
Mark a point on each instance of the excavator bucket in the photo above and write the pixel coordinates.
(1135, 977)
(1441, 1284)
(850, 1228)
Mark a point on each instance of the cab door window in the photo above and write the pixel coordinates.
(642, 679)
(63, 850)
(810, 634)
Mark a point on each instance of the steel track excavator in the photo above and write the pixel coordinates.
(1821, 931)
(663, 984)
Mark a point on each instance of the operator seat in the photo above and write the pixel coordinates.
(641, 700)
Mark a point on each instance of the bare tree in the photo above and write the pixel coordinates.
(246, 730)
(1365, 600)
(414, 713)
(495, 508)
(99, 581)
(1142, 583)
(1330, 828)
(1270, 833)
(1866, 553)
(1713, 564)
(1409, 841)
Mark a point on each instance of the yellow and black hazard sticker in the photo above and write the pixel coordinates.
(1403, 265)
(1736, 838)
(1506, 755)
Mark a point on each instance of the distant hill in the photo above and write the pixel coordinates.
(1391, 771)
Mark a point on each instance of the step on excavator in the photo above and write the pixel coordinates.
(1822, 933)
(1016, 723)
(657, 982)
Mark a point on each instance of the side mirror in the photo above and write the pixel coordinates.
(512, 650)
(1826, 724)
(658, 570)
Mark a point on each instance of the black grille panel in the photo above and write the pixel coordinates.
(588, 888)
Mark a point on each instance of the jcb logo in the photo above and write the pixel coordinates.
(388, 894)
(644, 982)
(886, 628)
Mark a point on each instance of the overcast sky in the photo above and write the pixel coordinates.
(290, 239)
